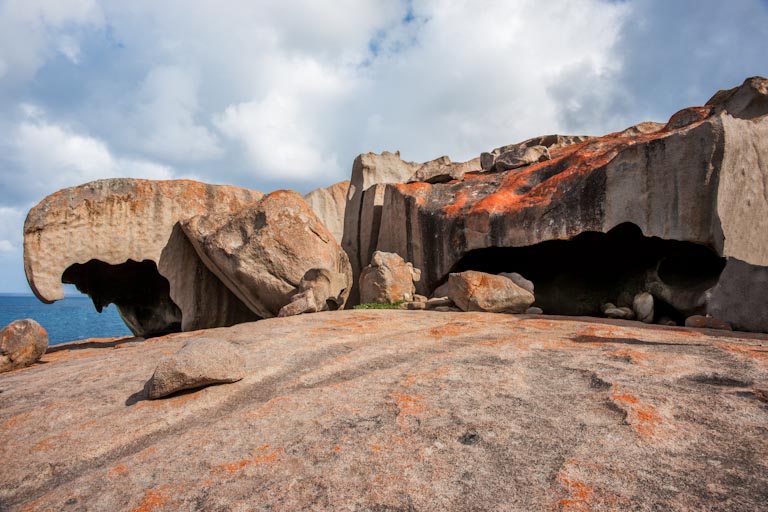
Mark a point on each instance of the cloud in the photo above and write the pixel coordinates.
(11, 221)
(53, 156)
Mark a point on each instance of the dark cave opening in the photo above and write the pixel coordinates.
(141, 294)
(578, 276)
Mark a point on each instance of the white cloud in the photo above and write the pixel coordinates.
(11, 222)
(31, 31)
(277, 138)
(164, 118)
(55, 156)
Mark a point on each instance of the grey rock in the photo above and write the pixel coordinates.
(200, 362)
(447, 309)
(533, 310)
(420, 298)
(414, 306)
(22, 343)
(437, 302)
(441, 291)
(619, 313)
(607, 306)
(643, 307)
(519, 280)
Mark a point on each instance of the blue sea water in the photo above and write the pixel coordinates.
(69, 319)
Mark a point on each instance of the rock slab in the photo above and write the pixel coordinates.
(399, 410)
(22, 342)
(200, 362)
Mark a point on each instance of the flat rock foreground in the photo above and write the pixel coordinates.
(399, 410)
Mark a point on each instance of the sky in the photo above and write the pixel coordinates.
(284, 94)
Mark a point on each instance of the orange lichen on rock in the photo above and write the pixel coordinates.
(153, 500)
(260, 458)
(268, 407)
(643, 417)
(450, 329)
(413, 379)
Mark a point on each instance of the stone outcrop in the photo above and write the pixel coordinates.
(478, 291)
(388, 279)
(22, 342)
(399, 410)
(329, 204)
(111, 239)
(690, 191)
(262, 252)
(442, 170)
(200, 362)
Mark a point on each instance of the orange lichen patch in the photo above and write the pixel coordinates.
(375, 448)
(758, 354)
(495, 342)
(579, 495)
(337, 449)
(146, 452)
(450, 329)
(262, 456)
(632, 355)
(408, 405)
(268, 407)
(413, 379)
(19, 418)
(153, 500)
(117, 470)
(51, 442)
(643, 417)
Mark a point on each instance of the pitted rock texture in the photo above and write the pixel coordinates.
(262, 252)
(97, 234)
(329, 204)
(399, 410)
(698, 179)
(22, 342)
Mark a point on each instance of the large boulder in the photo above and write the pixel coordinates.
(478, 291)
(329, 204)
(262, 252)
(388, 279)
(22, 343)
(114, 239)
(663, 209)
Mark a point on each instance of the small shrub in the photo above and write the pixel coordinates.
(372, 305)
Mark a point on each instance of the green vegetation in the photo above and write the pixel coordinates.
(396, 305)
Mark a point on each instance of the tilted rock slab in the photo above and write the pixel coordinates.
(400, 410)
(478, 291)
(262, 252)
(700, 178)
(200, 362)
(22, 342)
(329, 204)
(118, 221)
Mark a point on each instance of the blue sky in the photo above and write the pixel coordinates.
(284, 94)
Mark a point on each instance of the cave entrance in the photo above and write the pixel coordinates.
(141, 294)
(578, 276)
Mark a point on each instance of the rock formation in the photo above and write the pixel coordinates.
(22, 342)
(111, 239)
(676, 210)
(329, 204)
(262, 252)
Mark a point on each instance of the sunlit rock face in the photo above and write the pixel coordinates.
(700, 179)
(118, 241)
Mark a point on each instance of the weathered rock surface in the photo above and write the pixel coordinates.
(648, 198)
(442, 170)
(707, 322)
(22, 342)
(329, 204)
(387, 410)
(522, 282)
(478, 291)
(200, 362)
(110, 238)
(388, 279)
(262, 252)
(642, 306)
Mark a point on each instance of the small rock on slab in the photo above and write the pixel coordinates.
(446, 309)
(437, 302)
(707, 322)
(643, 307)
(478, 291)
(533, 310)
(413, 306)
(200, 362)
(22, 342)
(619, 313)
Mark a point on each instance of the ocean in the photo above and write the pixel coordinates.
(72, 318)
